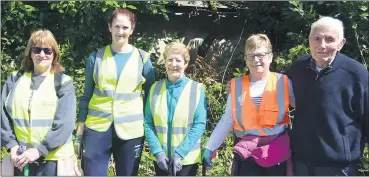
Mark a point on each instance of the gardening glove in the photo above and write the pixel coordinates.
(162, 161)
(176, 162)
(207, 155)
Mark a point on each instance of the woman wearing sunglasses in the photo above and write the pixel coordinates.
(257, 112)
(111, 108)
(38, 115)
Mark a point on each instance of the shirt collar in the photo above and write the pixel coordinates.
(335, 63)
(178, 82)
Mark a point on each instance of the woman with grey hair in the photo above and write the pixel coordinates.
(175, 116)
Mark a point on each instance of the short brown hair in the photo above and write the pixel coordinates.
(178, 48)
(42, 38)
(256, 41)
(120, 11)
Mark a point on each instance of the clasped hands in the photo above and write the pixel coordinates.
(27, 157)
(163, 162)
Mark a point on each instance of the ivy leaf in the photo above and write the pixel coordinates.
(364, 14)
(363, 8)
(131, 7)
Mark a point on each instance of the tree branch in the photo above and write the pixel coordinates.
(238, 42)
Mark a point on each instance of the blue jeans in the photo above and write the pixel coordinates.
(303, 169)
(98, 147)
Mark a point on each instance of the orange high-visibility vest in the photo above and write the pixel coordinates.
(272, 116)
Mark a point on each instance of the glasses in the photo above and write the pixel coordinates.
(37, 50)
(260, 56)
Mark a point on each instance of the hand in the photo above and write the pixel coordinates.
(206, 158)
(162, 161)
(176, 161)
(228, 90)
(29, 156)
(80, 128)
(13, 153)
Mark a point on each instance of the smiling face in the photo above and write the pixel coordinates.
(42, 57)
(42, 53)
(258, 60)
(258, 54)
(175, 66)
(324, 42)
(121, 29)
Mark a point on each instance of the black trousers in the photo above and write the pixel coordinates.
(304, 169)
(44, 168)
(248, 167)
(98, 147)
(187, 170)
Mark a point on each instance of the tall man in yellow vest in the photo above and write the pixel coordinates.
(175, 116)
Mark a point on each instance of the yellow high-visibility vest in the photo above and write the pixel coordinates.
(33, 119)
(117, 100)
(182, 118)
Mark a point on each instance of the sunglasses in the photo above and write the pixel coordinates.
(37, 50)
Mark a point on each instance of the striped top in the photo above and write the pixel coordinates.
(225, 125)
(256, 91)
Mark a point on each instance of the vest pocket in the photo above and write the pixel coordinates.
(270, 117)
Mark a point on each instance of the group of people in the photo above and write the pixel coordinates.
(123, 105)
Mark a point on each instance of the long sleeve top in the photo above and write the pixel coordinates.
(63, 123)
(120, 61)
(332, 114)
(193, 135)
(225, 125)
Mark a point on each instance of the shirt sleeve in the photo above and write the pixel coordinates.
(8, 138)
(89, 88)
(150, 133)
(197, 129)
(223, 128)
(64, 120)
(149, 74)
(291, 94)
(365, 115)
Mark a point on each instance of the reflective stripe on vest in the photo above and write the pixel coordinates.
(31, 127)
(182, 118)
(271, 118)
(117, 99)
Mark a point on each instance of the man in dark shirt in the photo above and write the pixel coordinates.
(331, 117)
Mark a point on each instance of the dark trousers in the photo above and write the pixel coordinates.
(187, 170)
(98, 147)
(248, 167)
(303, 169)
(43, 168)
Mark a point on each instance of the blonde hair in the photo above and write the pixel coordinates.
(42, 38)
(256, 41)
(177, 48)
